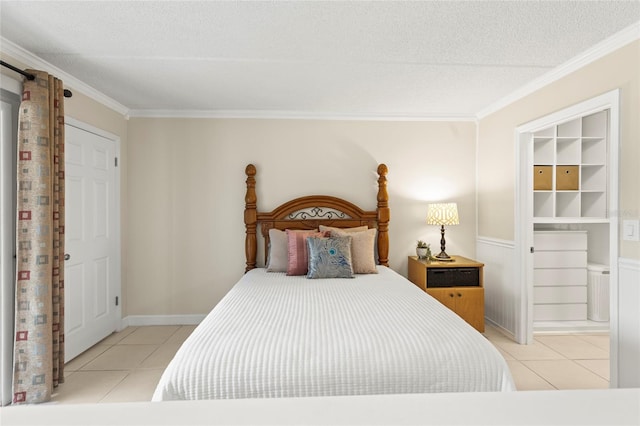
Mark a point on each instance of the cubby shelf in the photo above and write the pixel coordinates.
(578, 146)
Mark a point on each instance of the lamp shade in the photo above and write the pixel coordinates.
(442, 214)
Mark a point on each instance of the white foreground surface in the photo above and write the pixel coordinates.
(584, 407)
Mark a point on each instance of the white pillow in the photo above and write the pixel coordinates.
(278, 251)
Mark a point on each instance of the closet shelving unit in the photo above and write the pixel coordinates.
(576, 146)
(570, 195)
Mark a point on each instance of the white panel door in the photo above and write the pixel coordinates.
(91, 240)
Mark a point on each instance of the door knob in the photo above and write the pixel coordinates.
(67, 256)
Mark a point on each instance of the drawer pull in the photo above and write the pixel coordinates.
(459, 294)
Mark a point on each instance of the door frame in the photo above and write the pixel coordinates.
(11, 93)
(117, 240)
(524, 215)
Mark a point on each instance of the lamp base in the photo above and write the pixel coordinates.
(443, 257)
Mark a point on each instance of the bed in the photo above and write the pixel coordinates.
(281, 335)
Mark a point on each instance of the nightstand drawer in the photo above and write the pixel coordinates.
(453, 277)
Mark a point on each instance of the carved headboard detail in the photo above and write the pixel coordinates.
(312, 211)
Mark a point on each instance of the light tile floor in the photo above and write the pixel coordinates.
(124, 367)
(567, 361)
(127, 365)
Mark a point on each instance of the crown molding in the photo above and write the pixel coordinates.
(296, 115)
(31, 60)
(607, 46)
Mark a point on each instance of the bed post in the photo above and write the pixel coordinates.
(383, 216)
(250, 218)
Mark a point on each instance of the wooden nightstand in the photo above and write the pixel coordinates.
(458, 285)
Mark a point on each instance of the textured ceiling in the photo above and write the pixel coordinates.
(402, 59)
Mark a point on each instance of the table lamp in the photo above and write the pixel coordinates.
(442, 214)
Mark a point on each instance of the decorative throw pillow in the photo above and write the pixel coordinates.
(297, 257)
(362, 250)
(277, 257)
(330, 257)
(354, 229)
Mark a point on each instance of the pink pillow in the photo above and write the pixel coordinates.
(298, 256)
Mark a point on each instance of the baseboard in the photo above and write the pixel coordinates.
(501, 329)
(571, 327)
(142, 320)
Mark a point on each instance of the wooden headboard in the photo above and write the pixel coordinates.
(312, 211)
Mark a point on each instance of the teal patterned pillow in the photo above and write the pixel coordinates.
(329, 257)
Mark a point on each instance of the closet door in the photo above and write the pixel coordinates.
(91, 271)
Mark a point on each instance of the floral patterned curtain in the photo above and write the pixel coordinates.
(39, 339)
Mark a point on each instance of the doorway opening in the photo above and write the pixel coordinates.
(567, 215)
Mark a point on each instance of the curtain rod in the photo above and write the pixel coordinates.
(28, 76)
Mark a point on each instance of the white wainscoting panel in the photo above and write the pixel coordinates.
(628, 340)
(500, 287)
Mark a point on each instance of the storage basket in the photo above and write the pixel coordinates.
(567, 178)
(542, 178)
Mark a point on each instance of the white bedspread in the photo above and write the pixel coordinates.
(279, 336)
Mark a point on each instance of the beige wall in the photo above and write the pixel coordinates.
(186, 186)
(496, 141)
(182, 180)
